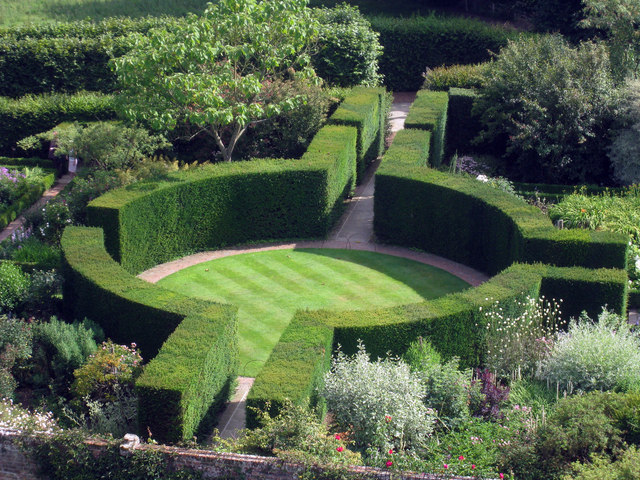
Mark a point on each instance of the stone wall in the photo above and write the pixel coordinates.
(15, 465)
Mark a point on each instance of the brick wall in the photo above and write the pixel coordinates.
(14, 465)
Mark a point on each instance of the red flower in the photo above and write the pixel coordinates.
(338, 437)
(389, 463)
(445, 466)
(461, 457)
(473, 467)
(391, 451)
(339, 449)
(387, 418)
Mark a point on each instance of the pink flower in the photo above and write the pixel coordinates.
(501, 476)
(473, 467)
(338, 437)
(391, 451)
(445, 466)
(389, 463)
(461, 457)
(387, 418)
(339, 449)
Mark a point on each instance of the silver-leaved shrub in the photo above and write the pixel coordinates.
(382, 401)
(601, 355)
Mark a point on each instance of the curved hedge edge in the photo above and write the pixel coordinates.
(179, 384)
(454, 324)
(467, 221)
(429, 112)
(227, 204)
(363, 108)
(31, 196)
(295, 367)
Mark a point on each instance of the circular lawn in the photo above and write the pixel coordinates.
(269, 286)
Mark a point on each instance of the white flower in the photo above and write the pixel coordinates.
(482, 178)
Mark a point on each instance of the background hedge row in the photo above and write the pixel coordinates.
(34, 114)
(413, 44)
(429, 112)
(198, 338)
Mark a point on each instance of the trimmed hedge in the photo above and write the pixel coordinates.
(17, 162)
(227, 204)
(429, 112)
(470, 222)
(364, 109)
(33, 193)
(198, 338)
(413, 44)
(38, 113)
(462, 125)
(455, 76)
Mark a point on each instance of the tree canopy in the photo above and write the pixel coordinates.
(219, 72)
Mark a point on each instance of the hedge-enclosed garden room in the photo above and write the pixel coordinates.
(311, 239)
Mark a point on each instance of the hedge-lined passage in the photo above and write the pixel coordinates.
(199, 350)
(462, 125)
(364, 108)
(429, 112)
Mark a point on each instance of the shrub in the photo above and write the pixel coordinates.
(624, 151)
(550, 105)
(455, 76)
(34, 114)
(49, 222)
(59, 348)
(34, 251)
(108, 145)
(515, 345)
(15, 417)
(602, 355)
(45, 289)
(490, 398)
(382, 401)
(113, 368)
(15, 345)
(348, 49)
(13, 286)
(625, 467)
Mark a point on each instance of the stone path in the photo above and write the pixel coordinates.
(57, 187)
(353, 231)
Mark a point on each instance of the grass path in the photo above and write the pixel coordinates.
(270, 286)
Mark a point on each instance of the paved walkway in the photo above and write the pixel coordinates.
(353, 231)
(57, 187)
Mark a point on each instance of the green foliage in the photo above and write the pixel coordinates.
(429, 112)
(15, 345)
(35, 252)
(623, 468)
(59, 348)
(364, 108)
(487, 228)
(348, 49)
(462, 124)
(550, 106)
(515, 345)
(16, 197)
(604, 355)
(34, 114)
(197, 359)
(13, 286)
(380, 402)
(409, 147)
(455, 76)
(48, 222)
(412, 44)
(176, 75)
(624, 150)
(108, 145)
(619, 20)
(65, 455)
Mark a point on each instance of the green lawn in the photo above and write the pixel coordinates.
(270, 286)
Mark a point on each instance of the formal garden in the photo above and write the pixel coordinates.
(243, 122)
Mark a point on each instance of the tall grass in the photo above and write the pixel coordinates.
(19, 12)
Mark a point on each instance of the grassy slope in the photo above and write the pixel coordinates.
(270, 286)
(17, 12)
